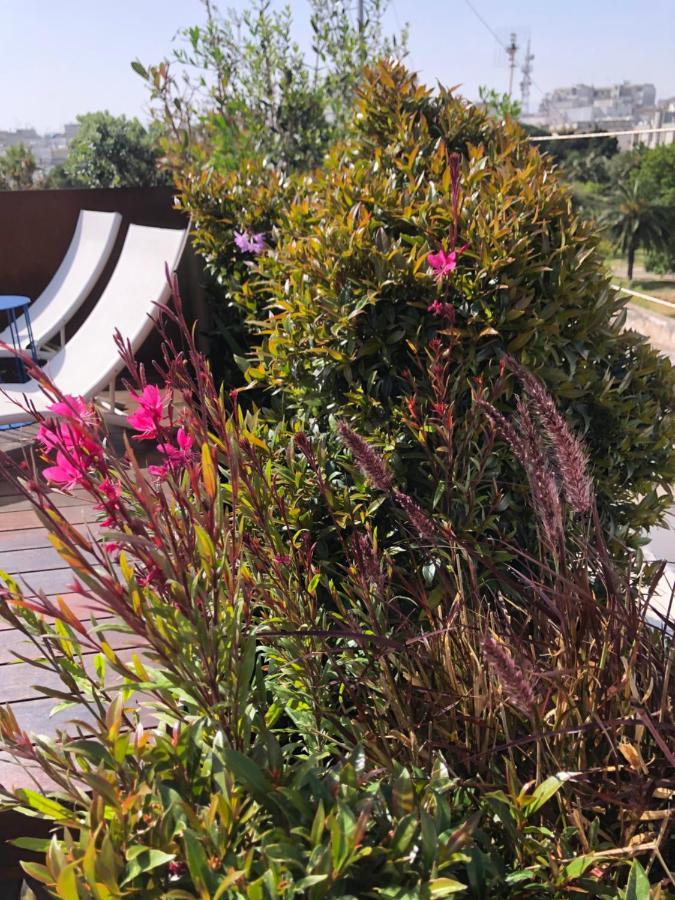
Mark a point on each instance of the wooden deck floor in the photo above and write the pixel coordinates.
(27, 554)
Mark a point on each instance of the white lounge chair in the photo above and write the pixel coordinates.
(81, 267)
(90, 361)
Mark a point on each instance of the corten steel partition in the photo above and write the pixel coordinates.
(36, 228)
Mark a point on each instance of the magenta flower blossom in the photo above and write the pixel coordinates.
(442, 263)
(64, 435)
(250, 243)
(112, 492)
(73, 443)
(442, 310)
(75, 408)
(66, 473)
(180, 455)
(148, 417)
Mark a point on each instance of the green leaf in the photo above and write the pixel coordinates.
(402, 794)
(66, 884)
(38, 872)
(249, 775)
(37, 845)
(51, 809)
(638, 883)
(309, 881)
(542, 794)
(444, 887)
(139, 69)
(577, 867)
(143, 859)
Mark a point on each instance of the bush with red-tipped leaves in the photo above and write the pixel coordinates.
(264, 696)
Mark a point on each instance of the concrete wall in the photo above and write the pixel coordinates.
(660, 330)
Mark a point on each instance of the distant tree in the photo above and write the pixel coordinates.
(501, 106)
(239, 87)
(635, 220)
(657, 171)
(17, 169)
(56, 178)
(112, 151)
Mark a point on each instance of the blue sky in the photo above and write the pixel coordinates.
(61, 58)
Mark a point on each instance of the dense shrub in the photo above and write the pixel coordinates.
(238, 87)
(344, 304)
(222, 204)
(249, 721)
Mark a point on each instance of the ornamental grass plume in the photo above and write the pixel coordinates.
(541, 478)
(513, 680)
(381, 477)
(367, 459)
(527, 445)
(423, 525)
(569, 455)
(368, 563)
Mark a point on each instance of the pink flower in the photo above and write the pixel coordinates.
(57, 435)
(250, 243)
(76, 452)
(148, 417)
(443, 263)
(183, 452)
(67, 473)
(75, 408)
(442, 310)
(70, 439)
(175, 456)
(112, 492)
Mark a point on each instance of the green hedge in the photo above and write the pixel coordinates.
(340, 306)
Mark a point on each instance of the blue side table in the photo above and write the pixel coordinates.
(14, 304)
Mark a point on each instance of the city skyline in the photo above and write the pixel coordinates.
(70, 58)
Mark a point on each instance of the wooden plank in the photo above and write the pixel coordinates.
(51, 581)
(12, 643)
(82, 607)
(15, 774)
(9, 489)
(33, 538)
(19, 503)
(36, 716)
(14, 521)
(22, 562)
(21, 680)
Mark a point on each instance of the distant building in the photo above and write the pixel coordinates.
(49, 150)
(661, 117)
(583, 105)
(619, 107)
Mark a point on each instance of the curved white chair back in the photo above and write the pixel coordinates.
(89, 251)
(90, 360)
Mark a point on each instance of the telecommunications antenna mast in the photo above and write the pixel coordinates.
(526, 83)
(511, 51)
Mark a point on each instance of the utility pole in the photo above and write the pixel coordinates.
(526, 83)
(511, 51)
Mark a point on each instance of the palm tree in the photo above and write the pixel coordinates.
(635, 220)
(17, 169)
